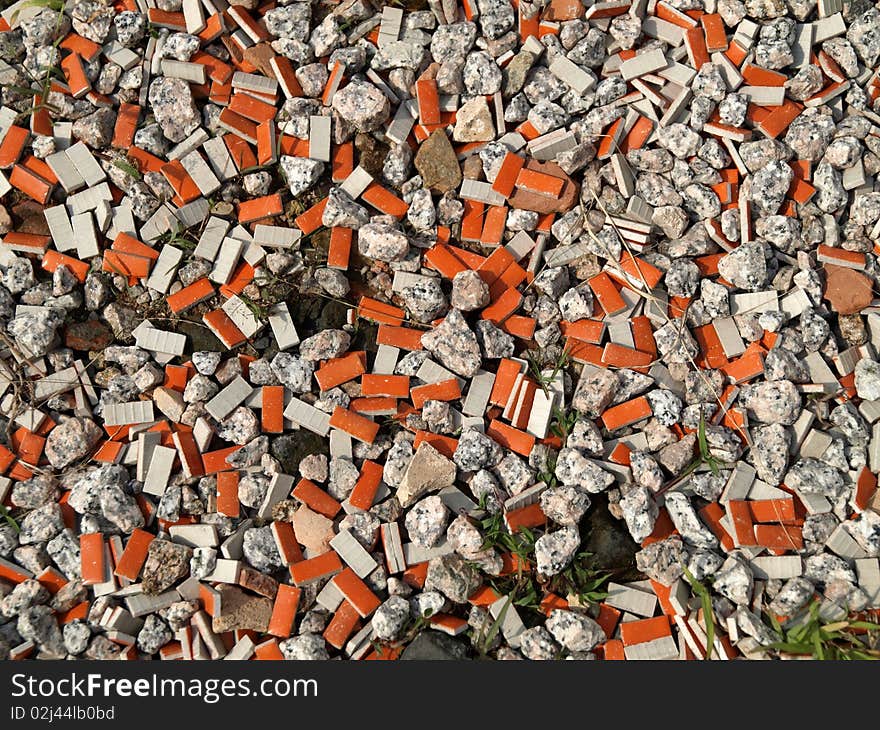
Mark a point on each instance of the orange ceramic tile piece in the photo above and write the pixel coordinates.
(190, 296)
(741, 517)
(613, 650)
(749, 365)
(380, 312)
(584, 352)
(519, 326)
(403, 337)
(444, 390)
(757, 76)
(29, 446)
(713, 29)
(390, 385)
(609, 298)
(74, 72)
(779, 537)
(268, 651)
(30, 184)
(356, 592)
(342, 161)
(52, 580)
(360, 427)
(625, 414)
(494, 225)
(227, 493)
(695, 45)
(316, 498)
(259, 208)
(443, 260)
(506, 178)
(505, 377)
(124, 243)
(284, 611)
(188, 453)
(625, 357)
(285, 541)
(252, 108)
(339, 370)
(92, 563)
(540, 183)
(772, 510)
(446, 445)
(12, 146)
(866, 486)
(339, 251)
(502, 307)
(428, 100)
(649, 629)
(525, 517)
(491, 269)
(179, 179)
(241, 277)
(673, 15)
(643, 335)
(309, 571)
(384, 200)
(52, 260)
(584, 330)
(135, 554)
(367, 485)
(640, 270)
(224, 328)
(472, 221)
(272, 408)
(511, 438)
(215, 461)
(342, 625)
(242, 155)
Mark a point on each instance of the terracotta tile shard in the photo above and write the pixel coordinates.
(315, 498)
(626, 414)
(540, 203)
(93, 567)
(361, 428)
(340, 370)
(506, 178)
(314, 569)
(284, 611)
(847, 291)
(607, 294)
(367, 486)
(227, 493)
(343, 624)
(356, 592)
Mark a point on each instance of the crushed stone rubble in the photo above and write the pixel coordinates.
(521, 329)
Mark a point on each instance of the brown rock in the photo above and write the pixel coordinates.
(543, 203)
(848, 291)
(241, 611)
(260, 55)
(30, 213)
(167, 562)
(89, 335)
(565, 10)
(852, 329)
(437, 163)
(313, 531)
(472, 168)
(254, 580)
(372, 153)
(5, 221)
